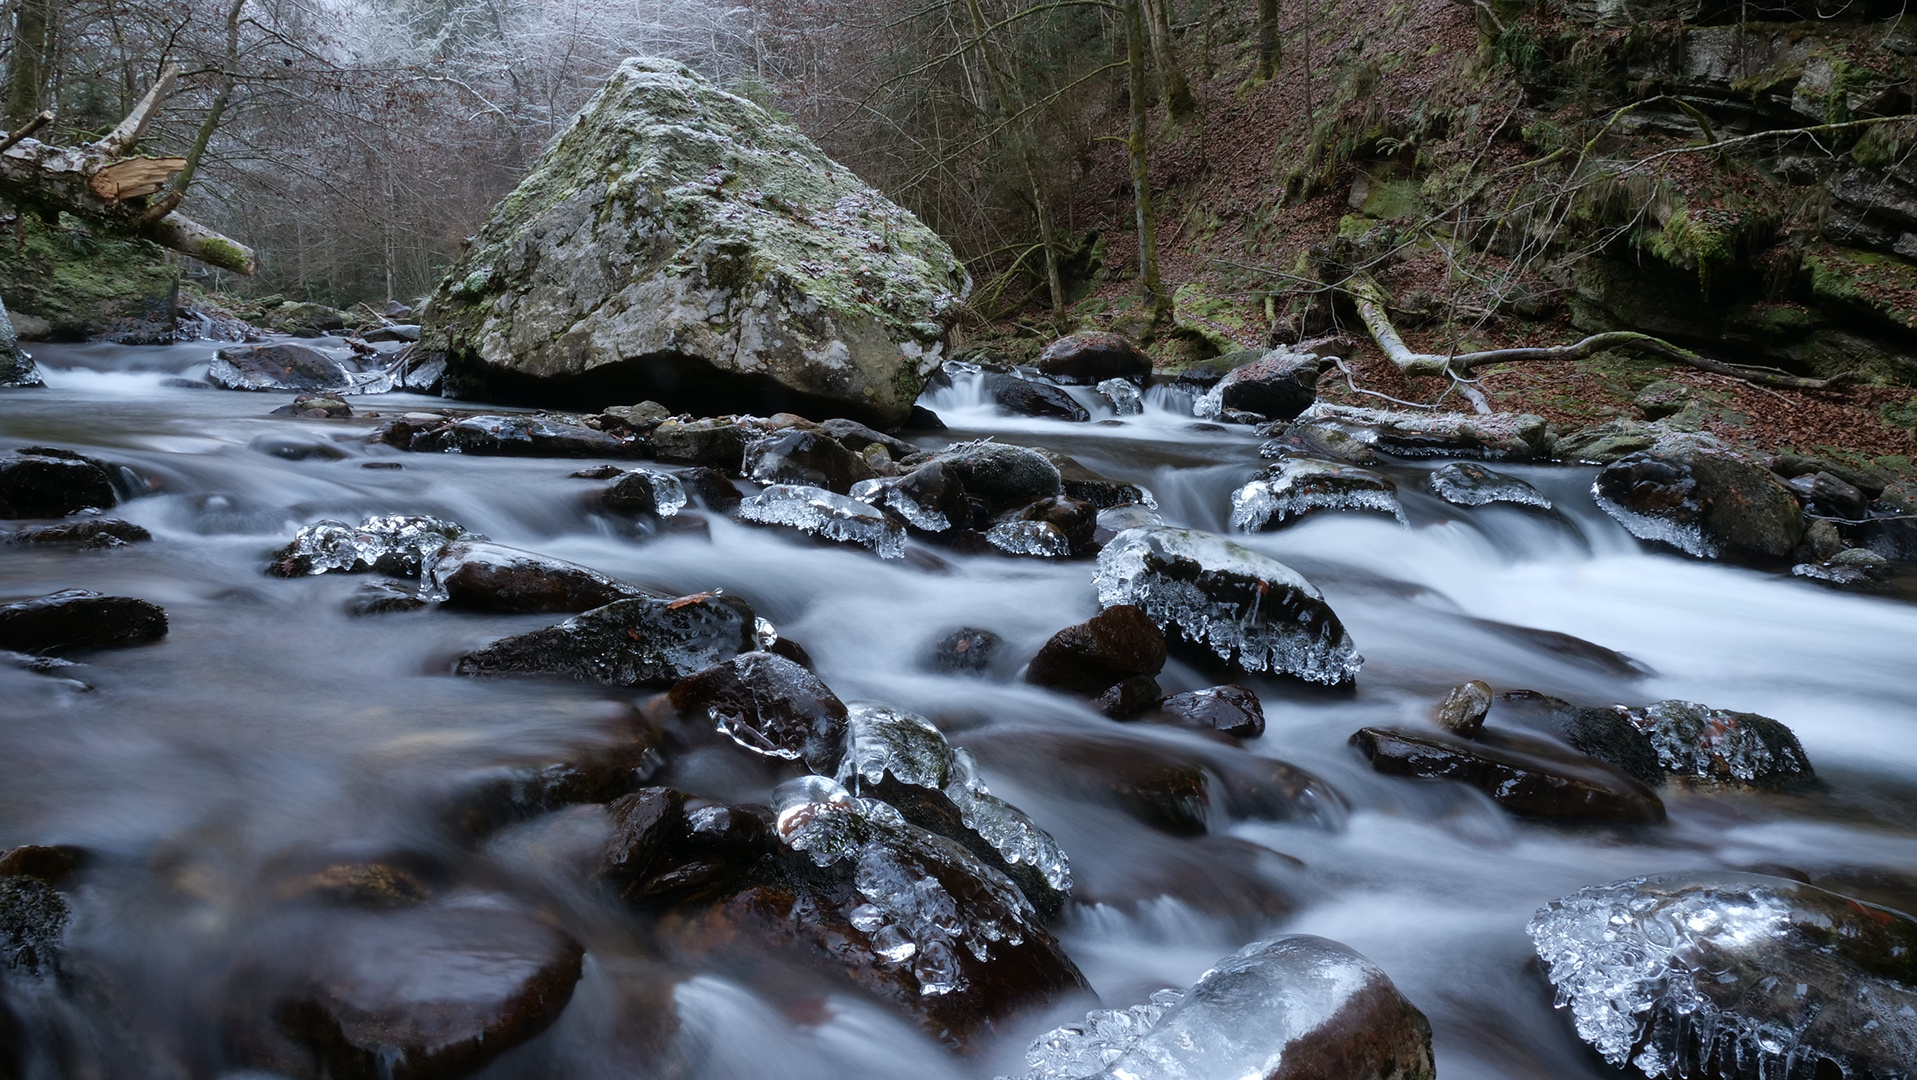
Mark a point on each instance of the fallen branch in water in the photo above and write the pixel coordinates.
(1371, 300)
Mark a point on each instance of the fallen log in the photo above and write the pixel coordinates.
(1371, 299)
(101, 183)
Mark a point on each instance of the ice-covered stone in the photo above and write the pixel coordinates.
(635, 642)
(1462, 483)
(823, 513)
(1299, 486)
(1499, 436)
(926, 897)
(1041, 538)
(1250, 610)
(643, 491)
(1721, 746)
(1124, 396)
(1295, 1007)
(1014, 835)
(1737, 976)
(1704, 497)
(389, 543)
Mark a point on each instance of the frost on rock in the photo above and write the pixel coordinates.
(1273, 1008)
(926, 897)
(1686, 535)
(1512, 436)
(1299, 486)
(1463, 484)
(1124, 396)
(1719, 745)
(1737, 976)
(823, 513)
(1041, 538)
(391, 544)
(920, 517)
(664, 495)
(882, 740)
(1250, 610)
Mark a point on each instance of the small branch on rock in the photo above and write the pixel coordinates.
(1371, 301)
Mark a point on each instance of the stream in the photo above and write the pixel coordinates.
(269, 721)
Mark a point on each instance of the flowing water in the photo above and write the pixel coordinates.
(270, 722)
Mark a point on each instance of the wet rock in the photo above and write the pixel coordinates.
(1326, 440)
(353, 880)
(91, 533)
(283, 366)
(1853, 569)
(827, 515)
(17, 371)
(1223, 876)
(384, 598)
(1116, 644)
(44, 482)
(52, 865)
(716, 441)
(1568, 648)
(638, 419)
(1735, 975)
(427, 992)
(1721, 747)
(1231, 709)
(1528, 777)
(1299, 486)
(421, 372)
(965, 651)
(787, 284)
(404, 332)
(1117, 519)
(1153, 784)
(1605, 734)
(483, 576)
(1703, 497)
(1123, 396)
(1247, 610)
(1294, 1008)
(390, 544)
(859, 438)
(1278, 385)
(1826, 496)
(296, 449)
(770, 706)
(1055, 525)
(326, 406)
(1500, 436)
(807, 458)
(643, 492)
(1101, 491)
(520, 435)
(930, 498)
(1463, 709)
(1462, 483)
(33, 924)
(713, 489)
(1021, 396)
(484, 802)
(1092, 356)
(79, 619)
(302, 319)
(1127, 698)
(1000, 473)
(637, 642)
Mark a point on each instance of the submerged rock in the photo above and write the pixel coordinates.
(391, 544)
(965, 651)
(681, 244)
(92, 533)
(1703, 497)
(645, 492)
(1250, 611)
(827, 515)
(1462, 483)
(289, 366)
(79, 619)
(1499, 436)
(1298, 486)
(493, 577)
(1529, 777)
(769, 705)
(1295, 1008)
(515, 435)
(637, 642)
(1278, 386)
(1116, 644)
(1463, 709)
(1092, 356)
(384, 598)
(1231, 709)
(45, 482)
(33, 925)
(1734, 975)
(1079, 482)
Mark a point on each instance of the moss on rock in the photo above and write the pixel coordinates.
(82, 284)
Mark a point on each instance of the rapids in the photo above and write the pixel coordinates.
(270, 721)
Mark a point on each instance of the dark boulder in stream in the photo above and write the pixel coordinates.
(285, 365)
(1702, 496)
(516, 435)
(1464, 483)
(1740, 976)
(79, 619)
(33, 926)
(46, 482)
(637, 642)
(1231, 709)
(1297, 1007)
(644, 492)
(1680, 741)
(1528, 777)
(1301, 486)
(87, 532)
(1248, 610)
(1278, 385)
(1000, 473)
(1092, 356)
(827, 515)
(1498, 437)
(794, 456)
(1110, 647)
(391, 544)
(492, 577)
(770, 705)
(17, 369)
(1038, 397)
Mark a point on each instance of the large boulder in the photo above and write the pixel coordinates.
(1705, 498)
(79, 619)
(1279, 385)
(16, 366)
(636, 642)
(1092, 356)
(47, 482)
(678, 243)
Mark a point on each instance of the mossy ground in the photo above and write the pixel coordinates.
(79, 281)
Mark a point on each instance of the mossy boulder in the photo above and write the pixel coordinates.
(64, 283)
(678, 243)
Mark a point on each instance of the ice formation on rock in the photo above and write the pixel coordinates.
(1089, 1047)
(1248, 609)
(882, 740)
(1041, 538)
(392, 544)
(824, 513)
(1124, 396)
(1718, 744)
(668, 494)
(1462, 483)
(1737, 976)
(1686, 536)
(905, 876)
(1298, 486)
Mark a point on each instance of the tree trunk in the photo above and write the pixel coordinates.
(33, 30)
(1140, 145)
(1267, 40)
(1171, 76)
(1021, 138)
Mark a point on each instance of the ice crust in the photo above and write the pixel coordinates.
(824, 513)
(1685, 536)
(1243, 606)
(908, 914)
(668, 494)
(1298, 486)
(881, 739)
(1089, 1047)
(1716, 975)
(1124, 396)
(394, 543)
(1464, 484)
(1697, 740)
(1041, 538)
